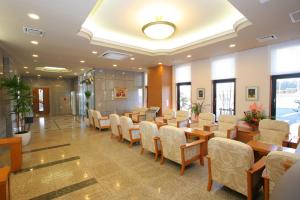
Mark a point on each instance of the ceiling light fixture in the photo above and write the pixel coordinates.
(232, 45)
(53, 69)
(27, 72)
(159, 30)
(25, 67)
(34, 42)
(189, 56)
(115, 65)
(132, 58)
(82, 69)
(35, 55)
(60, 76)
(33, 16)
(82, 61)
(160, 63)
(94, 52)
(38, 75)
(140, 68)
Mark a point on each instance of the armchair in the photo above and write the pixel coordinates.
(272, 131)
(226, 127)
(129, 131)
(205, 121)
(139, 115)
(149, 134)
(181, 120)
(275, 168)
(231, 163)
(115, 126)
(100, 122)
(175, 147)
(167, 115)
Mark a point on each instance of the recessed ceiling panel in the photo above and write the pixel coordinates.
(114, 22)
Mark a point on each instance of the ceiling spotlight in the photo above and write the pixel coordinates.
(132, 58)
(232, 45)
(38, 75)
(59, 76)
(33, 16)
(82, 61)
(82, 69)
(160, 63)
(115, 65)
(189, 56)
(34, 42)
(94, 52)
(140, 68)
(27, 72)
(159, 30)
(35, 55)
(25, 67)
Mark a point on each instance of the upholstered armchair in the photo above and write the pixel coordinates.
(139, 115)
(277, 163)
(149, 138)
(226, 127)
(167, 115)
(181, 120)
(231, 163)
(205, 120)
(100, 122)
(129, 131)
(272, 131)
(175, 147)
(91, 120)
(115, 126)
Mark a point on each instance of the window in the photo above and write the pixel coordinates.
(183, 86)
(41, 100)
(223, 68)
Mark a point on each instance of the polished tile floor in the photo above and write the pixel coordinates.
(66, 160)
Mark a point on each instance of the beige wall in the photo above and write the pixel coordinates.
(252, 69)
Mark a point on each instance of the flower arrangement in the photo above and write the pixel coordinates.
(254, 115)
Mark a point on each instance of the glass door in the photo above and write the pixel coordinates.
(285, 103)
(184, 96)
(224, 97)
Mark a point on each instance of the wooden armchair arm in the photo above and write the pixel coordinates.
(189, 145)
(133, 129)
(232, 133)
(104, 118)
(210, 127)
(259, 165)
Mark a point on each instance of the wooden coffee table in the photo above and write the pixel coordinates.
(262, 148)
(205, 135)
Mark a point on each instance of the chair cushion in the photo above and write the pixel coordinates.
(148, 132)
(273, 131)
(114, 122)
(205, 119)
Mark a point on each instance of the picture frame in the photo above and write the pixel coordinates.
(120, 93)
(252, 93)
(200, 93)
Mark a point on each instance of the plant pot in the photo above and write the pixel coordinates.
(25, 137)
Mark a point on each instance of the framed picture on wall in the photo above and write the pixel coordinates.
(200, 93)
(252, 93)
(120, 93)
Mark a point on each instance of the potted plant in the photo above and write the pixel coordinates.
(253, 116)
(21, 101)
(197, 109)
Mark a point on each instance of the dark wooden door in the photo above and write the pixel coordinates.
(41, 100)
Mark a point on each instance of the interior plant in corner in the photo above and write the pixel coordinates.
(197, 109)
(87, 103)
(254, 115)
(21, 100)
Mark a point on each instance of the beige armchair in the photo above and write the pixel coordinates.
(231, 163)
(100, 122)
(205, 120)
(272, 131)
(129, 131)
(277, 163)
(91, 120)
(149, 138)
(167, 115)
(226, 127)
(115, 126)
(139, 115)
(175, 147)
(181, 120)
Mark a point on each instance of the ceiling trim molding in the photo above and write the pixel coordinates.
(237, 26)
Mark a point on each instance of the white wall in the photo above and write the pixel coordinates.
(252, 69)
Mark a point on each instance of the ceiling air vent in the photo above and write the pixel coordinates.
(33, 31)
(266, 38)
(295, 16)
(114, 55)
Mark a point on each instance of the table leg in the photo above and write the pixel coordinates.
(16, 156)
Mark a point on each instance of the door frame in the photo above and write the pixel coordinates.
(274, 79)
(46, 105)
(214, 82)
(178, 92)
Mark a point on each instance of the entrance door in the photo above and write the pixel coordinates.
(224, 97)
(184, 96)
(41, 101)
(285, 103)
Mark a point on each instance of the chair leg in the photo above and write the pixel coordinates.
(130, 145)
(266, 189)
(156, 156)
(162, 160)
(182, 169)
(209, 184)
(142, 150)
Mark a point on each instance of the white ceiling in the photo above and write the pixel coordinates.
(62, 21)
